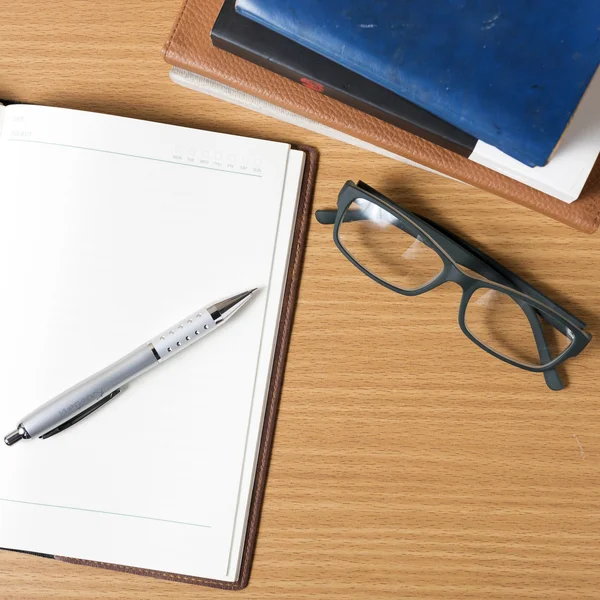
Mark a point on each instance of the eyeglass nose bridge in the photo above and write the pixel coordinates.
(452, 273)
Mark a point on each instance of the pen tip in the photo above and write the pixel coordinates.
(227, 308)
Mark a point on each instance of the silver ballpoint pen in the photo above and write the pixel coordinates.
(82, 399)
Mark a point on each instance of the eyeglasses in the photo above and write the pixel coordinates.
(411, 255)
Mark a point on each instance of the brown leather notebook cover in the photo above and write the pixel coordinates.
(190, 47)
(279, 358)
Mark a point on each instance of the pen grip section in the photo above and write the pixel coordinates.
(88, 392)
(182, 334)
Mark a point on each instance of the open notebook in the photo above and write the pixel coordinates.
(111, 230)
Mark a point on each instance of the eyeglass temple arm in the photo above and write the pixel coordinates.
(553, 381)
(491, 268)
(519, 283)
(326, 216)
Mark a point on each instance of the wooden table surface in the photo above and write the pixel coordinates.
(407, 463)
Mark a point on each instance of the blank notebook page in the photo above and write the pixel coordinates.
(113, 229)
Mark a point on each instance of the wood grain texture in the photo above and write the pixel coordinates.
(407, 463)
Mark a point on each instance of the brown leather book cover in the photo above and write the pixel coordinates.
(264, 454)
(189, 47)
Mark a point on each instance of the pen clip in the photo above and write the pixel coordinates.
(82, 415)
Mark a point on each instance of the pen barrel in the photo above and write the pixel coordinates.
(183, 334)
(86, 393)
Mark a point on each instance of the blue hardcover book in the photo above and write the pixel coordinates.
(509, 72)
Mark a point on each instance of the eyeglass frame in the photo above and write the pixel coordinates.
(455, 252)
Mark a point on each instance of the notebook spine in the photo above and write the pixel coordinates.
(2, 115)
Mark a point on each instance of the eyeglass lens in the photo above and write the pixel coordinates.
(374, 238)
(500, 323)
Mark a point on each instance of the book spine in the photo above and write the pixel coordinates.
(446, 136)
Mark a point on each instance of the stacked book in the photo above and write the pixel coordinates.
(494, 93)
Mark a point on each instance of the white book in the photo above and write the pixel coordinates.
(563, 177)
(113, 229)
